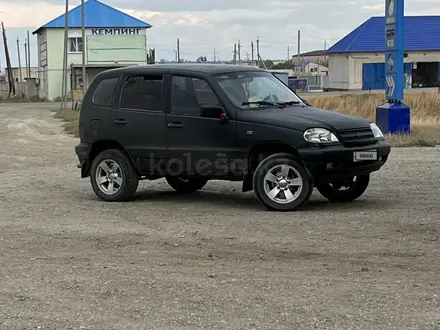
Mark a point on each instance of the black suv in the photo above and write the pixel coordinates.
(193, 123)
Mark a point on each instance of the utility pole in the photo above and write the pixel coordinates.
(215, 60)
(178, 50)
(66, 36)
(239, 52)
(20, 74)
(8, 64)
(258, 50)
(26, 59)
(29, 53)
(299, 47)
(27, 68)
(83, 35)
(235, 54)
(252, 53)
(288, 52)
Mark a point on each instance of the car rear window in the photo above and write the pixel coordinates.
(104, 92)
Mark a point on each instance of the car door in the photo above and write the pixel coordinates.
(198, 145)
(139, 122)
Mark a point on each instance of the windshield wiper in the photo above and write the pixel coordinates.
(277, 104)
(288, 103)
(258, 102)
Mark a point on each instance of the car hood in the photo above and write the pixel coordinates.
(302, 118)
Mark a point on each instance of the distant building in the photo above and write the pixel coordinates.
(316, 56)
(113, 39)
(311, 68)
(357, 61)
(24, 73)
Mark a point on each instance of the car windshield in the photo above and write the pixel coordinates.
(256, 89)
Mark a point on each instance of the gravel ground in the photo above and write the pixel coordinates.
(212, 260)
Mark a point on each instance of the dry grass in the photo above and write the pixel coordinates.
(425, 115)
(70, 118)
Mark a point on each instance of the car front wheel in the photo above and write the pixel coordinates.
(345, 190)
(281, 183)
(186, 185)
(113, 176)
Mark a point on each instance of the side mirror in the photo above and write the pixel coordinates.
(211, 111)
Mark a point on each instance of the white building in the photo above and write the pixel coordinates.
(113, 39)
(357, 61)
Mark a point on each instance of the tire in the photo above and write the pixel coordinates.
(186, 185)
(125, 182)
(264, 182)
(356, 190)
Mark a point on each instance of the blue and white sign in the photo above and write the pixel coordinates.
(391, 85)
(394, 116)
(394, 50)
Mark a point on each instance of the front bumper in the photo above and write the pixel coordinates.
(327, 163)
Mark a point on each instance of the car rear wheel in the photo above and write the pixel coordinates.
(113, 177)
(186, 185)
(281, 183)
(345, 190)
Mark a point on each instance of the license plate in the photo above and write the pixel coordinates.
(359, 156)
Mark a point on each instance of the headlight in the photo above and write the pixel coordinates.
(319, 135)
(376, 131)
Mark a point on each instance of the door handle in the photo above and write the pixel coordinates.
(175, 125)
(119, 122)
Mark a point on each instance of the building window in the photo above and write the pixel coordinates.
(75, 45)
(142, 93)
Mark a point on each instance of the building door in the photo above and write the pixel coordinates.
(373, 76)
(425, 74)
(198, 145)
(138, 123)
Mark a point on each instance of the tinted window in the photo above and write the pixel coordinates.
(189, 94)
(142, 93)
(104, 92)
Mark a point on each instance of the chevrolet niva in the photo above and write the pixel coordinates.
(191, 123)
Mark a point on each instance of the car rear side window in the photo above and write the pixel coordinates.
(189, 94)
(104, 92)
(142, 93)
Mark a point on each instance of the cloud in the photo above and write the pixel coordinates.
(204, 25)
(379, 7)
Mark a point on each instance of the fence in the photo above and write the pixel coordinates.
(301, 82)
(27, 88)
(321, 81)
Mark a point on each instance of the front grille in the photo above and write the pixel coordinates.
(356, 137)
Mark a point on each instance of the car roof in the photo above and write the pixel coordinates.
(210, 69)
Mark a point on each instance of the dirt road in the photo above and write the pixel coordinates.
(212, 260)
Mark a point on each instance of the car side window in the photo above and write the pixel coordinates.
(189, 94)
(103, 94)
(142, 93)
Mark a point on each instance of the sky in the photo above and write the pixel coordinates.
(205, 25)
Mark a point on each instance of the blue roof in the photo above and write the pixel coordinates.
(97, 15)
(422, 33)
